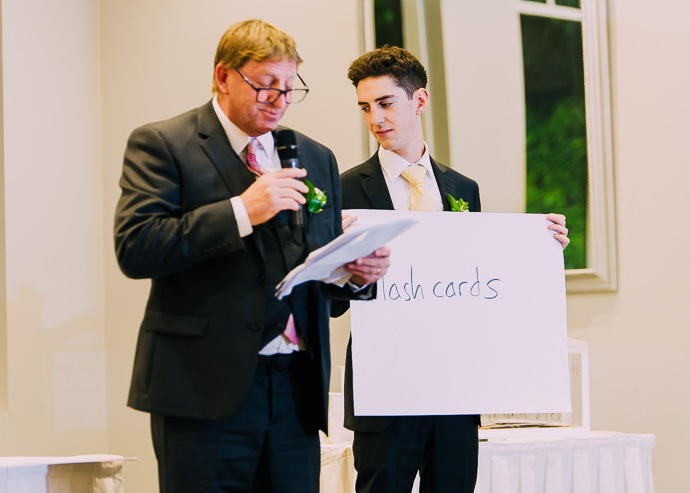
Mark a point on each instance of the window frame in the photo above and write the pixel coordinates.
(601, 272)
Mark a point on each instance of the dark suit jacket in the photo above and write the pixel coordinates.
(199, 340)
(364, 187)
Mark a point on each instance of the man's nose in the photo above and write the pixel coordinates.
(376, 117)
(281, 102)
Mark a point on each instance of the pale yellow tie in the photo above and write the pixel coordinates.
(421, 198)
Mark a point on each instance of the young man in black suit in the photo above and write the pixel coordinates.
(236, 381)
(392, 94)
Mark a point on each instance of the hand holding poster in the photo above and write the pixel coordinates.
(470, 318)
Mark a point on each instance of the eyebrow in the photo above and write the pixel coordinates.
(382, 98)
(272, 75)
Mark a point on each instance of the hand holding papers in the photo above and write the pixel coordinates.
(326, 263)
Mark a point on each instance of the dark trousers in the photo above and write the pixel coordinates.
(271, 445)
(444, 449)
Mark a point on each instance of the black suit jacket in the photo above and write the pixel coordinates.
(199, 340)
(364, 187)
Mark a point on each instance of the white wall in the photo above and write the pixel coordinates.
(485, 94)
(53, 207)
(77, 81)
(639, 337)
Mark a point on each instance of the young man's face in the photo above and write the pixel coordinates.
(238, 100)
(392, 117)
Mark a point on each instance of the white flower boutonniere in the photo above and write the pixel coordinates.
(316, 199)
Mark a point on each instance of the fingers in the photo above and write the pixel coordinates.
(383, 252)
(274, 192)
(559, 228)
(348, 221)
(289, 173)
(370, 269)
(563, 240)
(286, 178)
(556, 218)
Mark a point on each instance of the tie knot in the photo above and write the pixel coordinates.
(253, 145)
(252, 162)
(414, 174)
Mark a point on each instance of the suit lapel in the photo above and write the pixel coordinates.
(214, 142)
(374, 184)
(445, 184)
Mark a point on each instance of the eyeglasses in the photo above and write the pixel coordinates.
(268, 95)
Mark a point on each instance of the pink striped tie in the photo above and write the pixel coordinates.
(252, 163)
(291, 331)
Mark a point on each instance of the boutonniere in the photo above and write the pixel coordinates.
(458, 205)
(316, 199)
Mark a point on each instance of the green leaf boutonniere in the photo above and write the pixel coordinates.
(458, 205)
(316, 199)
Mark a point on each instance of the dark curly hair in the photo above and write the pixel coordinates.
(402, 66)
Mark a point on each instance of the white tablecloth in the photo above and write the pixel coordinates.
(77, 474)
(599, 462)
(337, 468)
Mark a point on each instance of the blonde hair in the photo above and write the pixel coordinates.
(253, 40)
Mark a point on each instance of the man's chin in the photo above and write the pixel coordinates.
(265, 128)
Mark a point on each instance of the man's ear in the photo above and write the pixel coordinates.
(222, 78)
(421, 99)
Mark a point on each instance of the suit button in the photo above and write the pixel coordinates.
(260, 279)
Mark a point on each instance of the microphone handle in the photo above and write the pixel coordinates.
(296, 219)
(289, 163)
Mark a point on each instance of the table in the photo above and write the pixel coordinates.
(76, 474)
(596, 462)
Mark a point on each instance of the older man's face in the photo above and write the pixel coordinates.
(238, 99)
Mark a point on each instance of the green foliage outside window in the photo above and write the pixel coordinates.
(556, 147)
(388, 23)
(557, 171)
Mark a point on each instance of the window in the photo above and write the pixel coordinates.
(520, 102)
(556, 134)
(388, 23)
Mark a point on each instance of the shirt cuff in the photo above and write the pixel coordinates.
(355, 288)
(244, 225)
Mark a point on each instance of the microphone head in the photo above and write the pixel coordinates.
(287, 144)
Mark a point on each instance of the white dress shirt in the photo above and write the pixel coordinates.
(398, 187)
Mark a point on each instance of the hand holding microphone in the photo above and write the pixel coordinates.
(280, 190)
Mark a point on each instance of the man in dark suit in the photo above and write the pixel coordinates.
(389, 451)
(235, 380)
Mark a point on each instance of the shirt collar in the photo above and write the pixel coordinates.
(238, 139)
(393, 164)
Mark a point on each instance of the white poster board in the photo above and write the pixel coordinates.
(469, 319)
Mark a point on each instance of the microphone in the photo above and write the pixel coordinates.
(289, 158)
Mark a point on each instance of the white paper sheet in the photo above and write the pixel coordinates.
(469, 319)
(325, 264)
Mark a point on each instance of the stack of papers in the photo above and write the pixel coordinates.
(327, 263)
